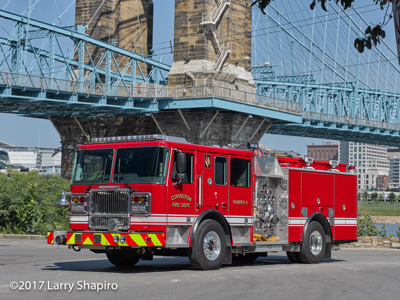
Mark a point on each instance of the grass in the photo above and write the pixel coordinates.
(380, 208)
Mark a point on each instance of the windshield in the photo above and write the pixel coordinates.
(141, 165)
(92, 166)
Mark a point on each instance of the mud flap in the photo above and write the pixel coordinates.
(228, 256)
(328, 251)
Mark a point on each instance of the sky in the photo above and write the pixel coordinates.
(22, 131)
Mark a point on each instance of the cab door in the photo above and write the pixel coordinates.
(211, 175)
(240, 192)
(181, 200)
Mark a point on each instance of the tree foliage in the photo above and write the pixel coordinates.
(373, 34)
(365, 195)
(27, 203)
(392, 197)
(374, 196)
(366, 226)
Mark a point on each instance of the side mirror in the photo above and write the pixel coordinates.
(180, 167)
(180, 162)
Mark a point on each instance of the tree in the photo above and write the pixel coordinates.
(373, 35)
(392, 197)
(27, 203)
(365, 195)
(374, 196)
(381, 197)
(28, 215)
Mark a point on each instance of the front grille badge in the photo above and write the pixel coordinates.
(114, 225)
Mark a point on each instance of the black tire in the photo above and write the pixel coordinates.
(249, 257)
(313, 247)
(209, 247)
(123, 259)
(294, 257)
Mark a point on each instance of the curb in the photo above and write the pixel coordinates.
(22, 237)
(374, 242)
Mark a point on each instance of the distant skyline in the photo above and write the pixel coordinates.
(21, 131)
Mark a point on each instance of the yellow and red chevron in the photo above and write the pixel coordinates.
(50, 237)
(107, 239)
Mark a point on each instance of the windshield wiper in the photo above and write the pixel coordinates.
(105, 169)
(92, 182)
(103, 173)
(119, 171)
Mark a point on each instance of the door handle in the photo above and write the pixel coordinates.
(200, 191)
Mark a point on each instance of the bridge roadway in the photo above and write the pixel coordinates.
(42, 97)
(350, 274)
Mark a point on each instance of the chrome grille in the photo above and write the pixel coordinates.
(101, 222)
(109, 202)
(106, 204)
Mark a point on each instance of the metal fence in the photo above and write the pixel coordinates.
(154, 91)
(146, 90)
(350, 121)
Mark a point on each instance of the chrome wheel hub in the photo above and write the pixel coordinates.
(211, 245)
(315, 243)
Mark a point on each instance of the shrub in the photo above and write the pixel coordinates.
(27, 203)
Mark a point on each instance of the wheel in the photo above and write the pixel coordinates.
(294, 257)
(313, 248)
(123, 259)
(208, 250)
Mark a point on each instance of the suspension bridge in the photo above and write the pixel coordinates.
(309, 80)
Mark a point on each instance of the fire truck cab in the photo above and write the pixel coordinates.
(138, 196)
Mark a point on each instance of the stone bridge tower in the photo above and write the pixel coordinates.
(212, 44)
(126, 23)
(212, 47)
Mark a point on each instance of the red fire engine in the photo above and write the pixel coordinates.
(138, 196)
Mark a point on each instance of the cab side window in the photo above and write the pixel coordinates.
(240, 172)
(189, 168)
(220, 170)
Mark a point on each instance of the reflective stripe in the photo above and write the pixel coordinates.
(107, 239)
(297, 222)
(50, 237)
(345, 222)
(79, 219)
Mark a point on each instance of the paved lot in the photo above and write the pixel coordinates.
(351, 274)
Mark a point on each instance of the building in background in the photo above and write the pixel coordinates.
(46, 160)
(371, 161)
(382, 183)
(394, 178)
(393, 151)
(325, 152)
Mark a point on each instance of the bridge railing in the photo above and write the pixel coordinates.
(248, 97)
(145, 91)
(152, 91)
(348, 120)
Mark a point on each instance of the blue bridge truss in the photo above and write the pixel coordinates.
(40, 79)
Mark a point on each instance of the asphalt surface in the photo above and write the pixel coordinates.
(41, 271)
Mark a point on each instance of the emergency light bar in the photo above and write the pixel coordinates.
(334, 163)
(138, 138)
(308, 160)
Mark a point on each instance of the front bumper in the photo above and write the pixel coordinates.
(88, 239)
